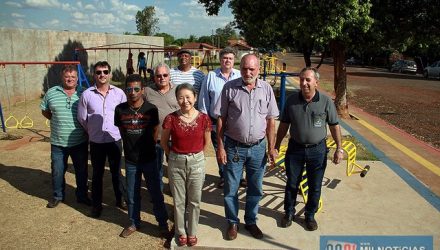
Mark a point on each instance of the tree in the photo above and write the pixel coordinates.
(146, 22)
(224, 34)
(167, 38)
(303, 23)
(205, 39)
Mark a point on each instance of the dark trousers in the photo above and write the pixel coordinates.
(99, 152)
(314, 159)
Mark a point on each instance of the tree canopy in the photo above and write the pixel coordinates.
(146, 22)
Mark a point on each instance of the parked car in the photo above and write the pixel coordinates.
(404, 66)
(353, 61)
(432, 70)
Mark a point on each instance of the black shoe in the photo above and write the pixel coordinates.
(96, 212)
(221, 183)
(311, 224)
(85, 201)
(53, 203)
(287, 219)
(243, 183)
(254, 230)
(122, 205)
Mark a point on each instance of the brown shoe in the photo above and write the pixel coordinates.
(127, 231)
(232, 231)
(254, 230)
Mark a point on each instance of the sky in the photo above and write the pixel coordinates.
(178, 18)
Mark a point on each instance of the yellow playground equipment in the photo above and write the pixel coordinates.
(352, 167)
(271, 64)
(196, 61)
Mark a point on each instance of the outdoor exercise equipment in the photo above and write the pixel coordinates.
(3, 120)
(26, 121)
(11, 121)
(350, 150)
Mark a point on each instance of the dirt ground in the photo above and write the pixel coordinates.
(409, 102)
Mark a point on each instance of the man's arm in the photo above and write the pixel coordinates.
(335, 130)
(281, 133)
(47, 113)
(165, 136)
(221, 153)
(203, 101)
(270, 134)
(82, 112)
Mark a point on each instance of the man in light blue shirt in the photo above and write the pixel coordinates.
(210, 92)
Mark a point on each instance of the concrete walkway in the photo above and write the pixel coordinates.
(393, 199)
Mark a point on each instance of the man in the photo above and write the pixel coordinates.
(210, 92)
(67, 137)
(246, 112)
(96, 114)
(185, 72)
(138, 122)
(163, 95)
(306, 113)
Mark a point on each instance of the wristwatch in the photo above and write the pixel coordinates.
(340, 150)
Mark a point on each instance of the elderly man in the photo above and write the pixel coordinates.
(307, 112)
(96, 111)
(67, 137)
(185, 72)
(163, 95)
(210, 92)
(246, 112)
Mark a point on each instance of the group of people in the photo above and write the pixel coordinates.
(179, 116)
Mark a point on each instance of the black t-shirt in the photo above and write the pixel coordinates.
(137, 128)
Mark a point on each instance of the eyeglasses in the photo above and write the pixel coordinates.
(130, 89)
(98, 72)
(68, 100)
(161, 76)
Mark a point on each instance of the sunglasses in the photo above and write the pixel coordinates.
(162, 76)
(130, 89)
(98, 72)
(68, 101)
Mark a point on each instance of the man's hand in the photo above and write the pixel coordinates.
(338, 156)
(221, 156)
(273, 155)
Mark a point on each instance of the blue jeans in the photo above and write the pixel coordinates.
(59, 156)
(134, 178)
(315, 161)
(159, 157)
(99, 152)
(254, 158)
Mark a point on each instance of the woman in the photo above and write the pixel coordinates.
(190, 132)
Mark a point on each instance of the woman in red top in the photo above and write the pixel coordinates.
(190, 132)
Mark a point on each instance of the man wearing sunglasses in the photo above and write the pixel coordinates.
(96, 114)
(163, 95)
(67, 137)
(185, 72)
(138, 122)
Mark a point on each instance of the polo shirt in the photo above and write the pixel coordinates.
(193, 76)
(165, 102)
(65, 130)
(308, 120)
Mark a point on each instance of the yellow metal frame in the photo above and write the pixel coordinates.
(350, 150)
(12, 122)
(26, 122)
(196, 61)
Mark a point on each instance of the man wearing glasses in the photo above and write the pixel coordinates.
(67, 137)
(138, 122)
(162, 94)
(96, 114)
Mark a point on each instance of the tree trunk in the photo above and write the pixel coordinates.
(340, 78)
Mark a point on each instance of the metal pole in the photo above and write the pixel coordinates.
(282, 91)
(264, 70)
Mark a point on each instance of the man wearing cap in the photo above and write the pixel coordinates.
(185, 72)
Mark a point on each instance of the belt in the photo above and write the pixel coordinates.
(299, 145)
(245, 145)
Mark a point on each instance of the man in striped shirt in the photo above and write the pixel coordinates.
(185, 72)
(67, 137)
